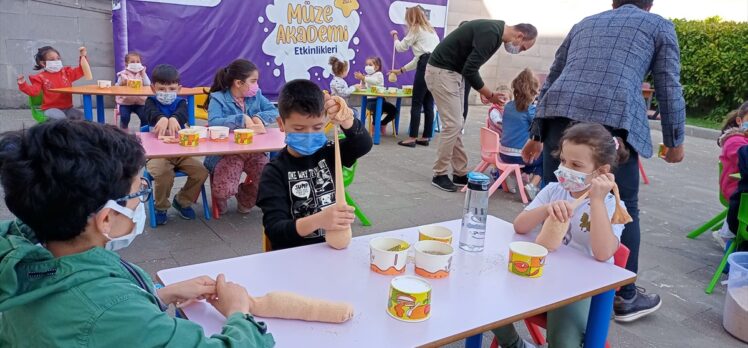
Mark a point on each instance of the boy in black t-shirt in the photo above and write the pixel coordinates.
(297, 189)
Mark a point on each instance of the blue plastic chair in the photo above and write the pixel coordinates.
(177, 174)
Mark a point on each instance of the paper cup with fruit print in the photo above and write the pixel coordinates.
(433, 258)
(243, 136)
(189, 137)
(435, 232)
(388, 255)
(410, 299)
(527, 259)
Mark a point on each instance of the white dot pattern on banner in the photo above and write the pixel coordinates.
(267, 63)
(265, 29)
(276, 72)
(355, 40)
(261, 19)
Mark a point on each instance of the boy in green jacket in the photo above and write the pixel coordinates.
(76, 187)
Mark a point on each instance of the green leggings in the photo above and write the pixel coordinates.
(565, 329)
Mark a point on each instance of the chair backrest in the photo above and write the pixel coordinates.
(490, 143)
(349, 173)
(34, 103)
(621, 257)
(743, 216)
(199, 102)
(145, 129)
(722, 199)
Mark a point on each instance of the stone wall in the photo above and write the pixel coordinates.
(26, 25)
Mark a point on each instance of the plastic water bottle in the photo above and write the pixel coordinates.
(473, 230)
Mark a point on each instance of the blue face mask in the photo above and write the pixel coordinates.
(744, 126)
(306, 143)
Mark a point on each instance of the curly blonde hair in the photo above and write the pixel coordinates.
(525, 88)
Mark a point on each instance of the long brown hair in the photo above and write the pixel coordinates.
(606, 149)
(416, 19)
(525, 87)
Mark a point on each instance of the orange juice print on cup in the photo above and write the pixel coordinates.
(189, 137)
(527, 259)
(410, 299)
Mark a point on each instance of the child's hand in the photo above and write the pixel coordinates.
(358, 76)
(396, 72)
(83, 52)
(230, 297)
(336, 217)
(186, 291)
(560, 210)
(256, 125)
(174, 126)
(20, 79)
(161, 127)
(601, 186)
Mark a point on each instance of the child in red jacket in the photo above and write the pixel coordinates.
(54, 105)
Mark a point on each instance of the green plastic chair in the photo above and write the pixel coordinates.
(348, 175)
(716, 222)
(35, 103)
(742, 236)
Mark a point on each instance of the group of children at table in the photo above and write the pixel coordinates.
(85, 222)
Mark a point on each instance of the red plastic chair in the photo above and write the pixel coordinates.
(644, 175)
(535, 323)
(490, 145)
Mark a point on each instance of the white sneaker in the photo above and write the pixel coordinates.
(720, 240)
(531, 191)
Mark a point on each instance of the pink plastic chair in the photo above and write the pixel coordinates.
(535, 323)
(489, 151)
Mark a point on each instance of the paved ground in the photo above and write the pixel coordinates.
(392, 186)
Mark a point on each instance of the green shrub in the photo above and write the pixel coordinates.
(714, 64)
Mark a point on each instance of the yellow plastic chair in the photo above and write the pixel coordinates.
(200, 100)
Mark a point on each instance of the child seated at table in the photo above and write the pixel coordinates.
(79, 198)
(374, 77)
(134, 71)
(338, 86)
(734, 137)
(236, 101)
(515, 120)
(167, 114)
(297, 189)
(55, 105)
(588, 154)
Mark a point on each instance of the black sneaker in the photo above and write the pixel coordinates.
(636, 307)
(442, 182)
(459, 180)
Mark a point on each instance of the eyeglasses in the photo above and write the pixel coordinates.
(143, 194)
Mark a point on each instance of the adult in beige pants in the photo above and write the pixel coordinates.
(461, 54)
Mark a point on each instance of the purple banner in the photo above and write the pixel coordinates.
(286, 39)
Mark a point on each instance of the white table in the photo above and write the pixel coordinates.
(480, 294)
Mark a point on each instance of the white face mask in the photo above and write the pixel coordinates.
(135, 67)
(166, 98)
(53, 65)
(571, 180)
(369, 69)
(138, 219)
(511, 48)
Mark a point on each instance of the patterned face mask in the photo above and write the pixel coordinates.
(571, 180)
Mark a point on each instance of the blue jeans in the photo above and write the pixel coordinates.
(535, 168)
(627, 179)
(126, 110)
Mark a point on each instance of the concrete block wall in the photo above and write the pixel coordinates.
(26, 25)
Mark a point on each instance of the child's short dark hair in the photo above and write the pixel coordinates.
(165, 74)
(606, 149)
(377, 61)
(56, 174)
(39, 56)
(301, 96)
